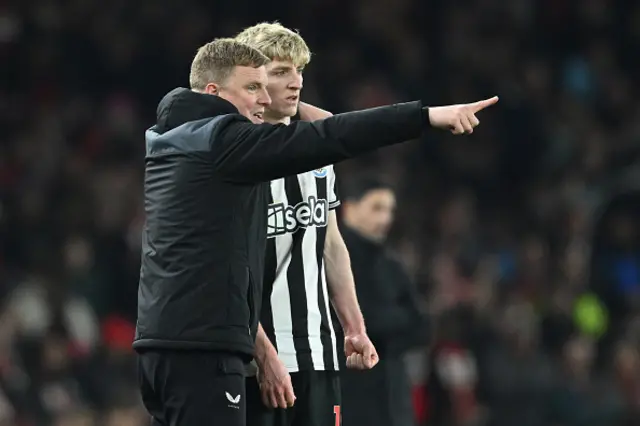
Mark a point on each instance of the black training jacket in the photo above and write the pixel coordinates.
(206, 192)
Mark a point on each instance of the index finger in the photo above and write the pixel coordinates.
(480, 105)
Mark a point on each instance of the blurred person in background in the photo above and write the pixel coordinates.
(626, 369)
(76, 418)
(582, 396)
(518, 376)
(395, 323)
(616, 262)
(452, 385)
(296, 351)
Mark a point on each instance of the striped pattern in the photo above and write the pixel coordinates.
(296, 309)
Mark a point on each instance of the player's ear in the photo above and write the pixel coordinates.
(212, 89)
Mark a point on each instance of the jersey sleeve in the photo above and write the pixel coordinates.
(334, 197)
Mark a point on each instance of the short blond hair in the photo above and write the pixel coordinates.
(277, 42)
(216, 60)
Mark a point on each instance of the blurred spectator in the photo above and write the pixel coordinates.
(581, 398)
(395, 324)
(518, 378)
(452, 394)
(627, 376)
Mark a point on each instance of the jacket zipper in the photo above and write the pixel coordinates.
(251, 301)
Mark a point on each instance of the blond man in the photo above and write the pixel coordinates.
(208, 163)
(307, 266)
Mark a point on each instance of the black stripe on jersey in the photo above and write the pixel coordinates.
(270, 269)
(325, 330)
(297, 288)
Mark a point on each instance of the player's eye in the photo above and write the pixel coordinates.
(252, 87)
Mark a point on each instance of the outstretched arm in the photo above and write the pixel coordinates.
(246, 152)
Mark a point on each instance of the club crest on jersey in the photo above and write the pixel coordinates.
(320, 173)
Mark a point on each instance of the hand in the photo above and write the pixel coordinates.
(459, 119)
(275, 383)
(312, 113)
(360, 352)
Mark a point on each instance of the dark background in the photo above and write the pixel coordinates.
(523, 238)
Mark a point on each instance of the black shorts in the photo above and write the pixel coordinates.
(192, 388)
(317, 402)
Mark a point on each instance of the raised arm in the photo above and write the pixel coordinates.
(254, 153)
(249, 152)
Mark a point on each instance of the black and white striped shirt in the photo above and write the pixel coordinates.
(295, 312)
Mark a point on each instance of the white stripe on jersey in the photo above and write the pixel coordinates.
(285, 221)
(314, 319)
(280, 293)
(332, 196)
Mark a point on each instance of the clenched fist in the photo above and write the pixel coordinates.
(459, 119)
(360, 352)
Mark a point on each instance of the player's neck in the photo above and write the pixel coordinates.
(276, 120)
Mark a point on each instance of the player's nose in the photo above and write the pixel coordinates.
(264, 99)
(296, 82)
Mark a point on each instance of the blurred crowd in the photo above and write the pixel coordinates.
(523, 238)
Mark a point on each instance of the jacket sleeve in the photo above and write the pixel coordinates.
(398, 325)
(247, 152)
(418, 333)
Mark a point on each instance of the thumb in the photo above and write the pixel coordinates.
(480, 105)
(369, 356)
(368, 351)
(356, 341)
(348, 346)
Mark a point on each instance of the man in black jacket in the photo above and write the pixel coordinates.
(381, 396)
(208, 162)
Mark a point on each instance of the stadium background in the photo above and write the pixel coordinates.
(523, 239)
